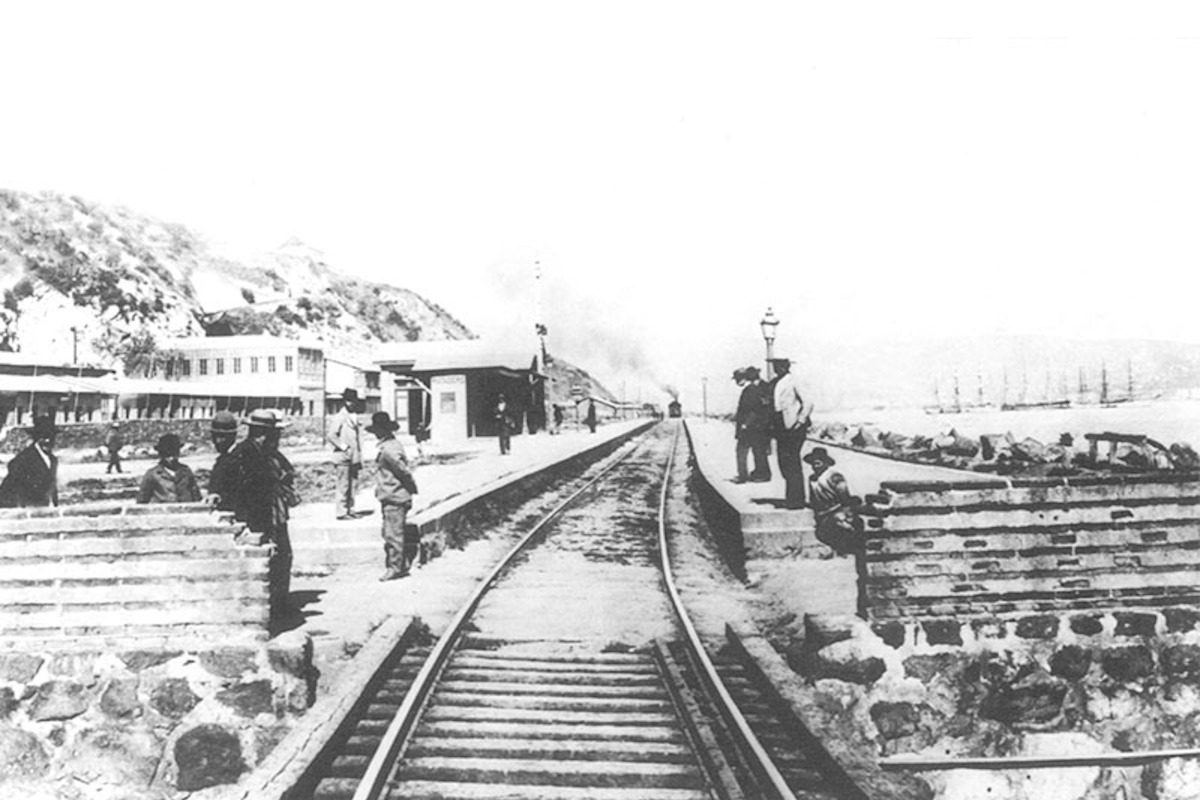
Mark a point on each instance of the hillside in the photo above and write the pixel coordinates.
(563, 376)
(111, 284)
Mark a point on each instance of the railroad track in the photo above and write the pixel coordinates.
(574, 672)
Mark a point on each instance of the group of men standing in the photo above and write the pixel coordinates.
(776, 408)
(767, 409)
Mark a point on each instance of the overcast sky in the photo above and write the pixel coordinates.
(870, 170)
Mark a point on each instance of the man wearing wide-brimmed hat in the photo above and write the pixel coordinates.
(168, 481)
(395, 489)
(752, 425)
(266, 490)
(835, 508)
(32, 478)
(345, 435)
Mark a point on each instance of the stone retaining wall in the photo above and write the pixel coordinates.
(1032, 547)
(120, 573)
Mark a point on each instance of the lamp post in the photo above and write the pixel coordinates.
(768, 324)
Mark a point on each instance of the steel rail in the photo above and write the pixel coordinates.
(760, 762)
(395, 740)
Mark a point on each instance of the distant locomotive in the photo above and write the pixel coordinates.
(674, 409)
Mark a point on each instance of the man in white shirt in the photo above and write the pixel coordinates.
(792, 413)
(345, 435)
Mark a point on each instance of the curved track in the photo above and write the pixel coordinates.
(574, 672)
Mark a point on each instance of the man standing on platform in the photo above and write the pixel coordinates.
(346, 438)
(792, 421)
(168, 481)
(401, 546)
(265, 493)
(222, 481)
(32, 478)
(753, 423)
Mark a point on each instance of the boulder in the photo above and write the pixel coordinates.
(895, 720)
(21, 755)
(173, 698)
(865, 437)
(229, 662)
(120, 698)
(1071, 662)
(1183, 457)
(1033, 701)
(249, 699)
(1182, 661)
(208, 755)
(19, 667)
(1127, 664)
(1030, 451)
(58, 700)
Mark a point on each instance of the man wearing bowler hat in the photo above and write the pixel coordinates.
(266, 490)
(395, 489)
(32, 478)
(835, 509)
(345, 436)
(792, 421)
(222, 481)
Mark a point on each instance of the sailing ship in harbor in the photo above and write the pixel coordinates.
(1032, 405)
(958, 406)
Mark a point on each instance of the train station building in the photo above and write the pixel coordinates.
(449, 389)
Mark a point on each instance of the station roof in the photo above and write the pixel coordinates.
(231, 388)
(456, 355)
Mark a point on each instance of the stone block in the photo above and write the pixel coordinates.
(291, 653)
(58, 700)
(1035, 701)
(822, 630)
(1182, 661)
(1181, 619)
(138, 660)
(21, 754)
(1135, 623)
(1043, 626)
(1071, 662)
(892, 633)
(229, 662)
(1127, 664)
(249, 699)
(73, 665)
(896, 720)
(942, 631)
(988, 628)
(926, 668)
(173, 698)
(1087, 624)
(119, 698)
(19, 667)
(208, 755)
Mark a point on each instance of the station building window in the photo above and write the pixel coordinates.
(220, 366)
(270, 363)
(288, 364)
(203, 364)
(254, 363)
(237, 365)
(185, 367)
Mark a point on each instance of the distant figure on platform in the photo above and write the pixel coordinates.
(222, 481)
(503, 425)
(394, 490)
(590, 418)
(32, 478)
(836, 510)
(266, 491)
(753, 425)
(346, 438)
(113, 443)
(558, 419)
(168, 481)
(792, 421)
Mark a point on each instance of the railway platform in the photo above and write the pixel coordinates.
(782, 554)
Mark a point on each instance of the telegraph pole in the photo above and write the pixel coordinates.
(704, 397)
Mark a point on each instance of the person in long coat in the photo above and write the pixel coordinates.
(222, 481)
(590, 419)
(266, 491)
(113, 443)
(32, 477)
(753, 425)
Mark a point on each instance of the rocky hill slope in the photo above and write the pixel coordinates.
(104, 285)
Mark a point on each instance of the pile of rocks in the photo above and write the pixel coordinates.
(1004, 454)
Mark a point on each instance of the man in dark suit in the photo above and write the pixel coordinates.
(32, 478)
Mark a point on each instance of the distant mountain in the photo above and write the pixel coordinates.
(564, 376)
(110, 285)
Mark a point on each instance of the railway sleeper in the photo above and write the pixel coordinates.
(597, 773)
(434, 790)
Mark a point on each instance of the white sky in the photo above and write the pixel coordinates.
(871, 170)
